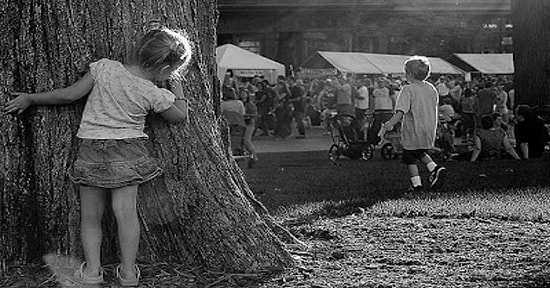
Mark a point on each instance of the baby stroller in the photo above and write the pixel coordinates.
(392, 148)
(235, 121)
(345, 139)
(391, 143)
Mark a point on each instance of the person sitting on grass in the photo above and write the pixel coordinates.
(445, 136)
(417, 109)
(490, 142)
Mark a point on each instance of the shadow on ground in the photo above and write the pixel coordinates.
(284, 181)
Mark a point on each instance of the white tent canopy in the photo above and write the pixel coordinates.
(372, 63)
(497, 63)
(244, 63)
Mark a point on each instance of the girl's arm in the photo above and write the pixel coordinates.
(477, 149)
(179, 111)
(54, 97)
(524, 150)
(509, 148)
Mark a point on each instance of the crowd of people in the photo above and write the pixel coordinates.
(462, 107)
(484, 114)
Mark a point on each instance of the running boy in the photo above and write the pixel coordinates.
(417, 110)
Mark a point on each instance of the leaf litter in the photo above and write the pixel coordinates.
(364, 250)
(373, 251)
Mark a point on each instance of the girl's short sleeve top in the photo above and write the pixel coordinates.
(119, 102)
(491, 140)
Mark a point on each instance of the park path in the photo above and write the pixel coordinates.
(314, 141)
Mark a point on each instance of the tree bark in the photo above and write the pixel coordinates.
(531, 51)
(199, 212)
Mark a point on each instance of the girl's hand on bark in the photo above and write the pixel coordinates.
(20, 103)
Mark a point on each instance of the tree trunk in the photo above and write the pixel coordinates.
(199, 212)
(531, 51)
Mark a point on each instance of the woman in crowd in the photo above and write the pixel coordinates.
(467, 112)
(327, 103)
(265, 103)
(455, 93)
(283, 111)
(501, 102)
(250, 114)
(490, 142)
(232, 108)
(383, 109)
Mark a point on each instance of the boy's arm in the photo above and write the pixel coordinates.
(54, 97)
(393, 120)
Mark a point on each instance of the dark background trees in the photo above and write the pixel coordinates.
(200, 212)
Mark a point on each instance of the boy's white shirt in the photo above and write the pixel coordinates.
(418, 102)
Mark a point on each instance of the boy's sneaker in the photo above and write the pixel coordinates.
(415, 189)
(437, 177)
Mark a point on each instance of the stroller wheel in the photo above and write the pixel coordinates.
(367, 152)
(334, 153)
(387, 151)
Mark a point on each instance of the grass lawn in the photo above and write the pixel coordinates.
(487, 227)
(307, 185)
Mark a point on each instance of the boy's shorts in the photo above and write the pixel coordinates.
(410, 157)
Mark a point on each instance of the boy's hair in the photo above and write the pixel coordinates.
(161, 47)
(418, 67)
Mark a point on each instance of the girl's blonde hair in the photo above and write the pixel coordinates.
(162, 47)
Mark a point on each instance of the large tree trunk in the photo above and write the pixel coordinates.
(531, 51)
(200, 212)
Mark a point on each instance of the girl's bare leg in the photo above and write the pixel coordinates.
(125, 210)
(92, 206)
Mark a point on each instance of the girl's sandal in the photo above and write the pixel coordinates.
(128, 283)
(80, 278)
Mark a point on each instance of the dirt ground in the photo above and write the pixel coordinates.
(362, 250)
(367, 251)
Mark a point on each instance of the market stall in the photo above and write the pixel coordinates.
(500, 64)
(244, 63)
(370, 63)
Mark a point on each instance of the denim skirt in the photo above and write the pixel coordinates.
(113, 163)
